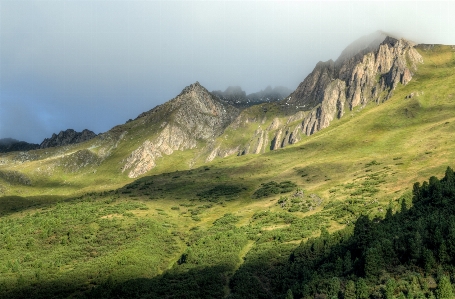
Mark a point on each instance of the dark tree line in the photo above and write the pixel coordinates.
(410, 254)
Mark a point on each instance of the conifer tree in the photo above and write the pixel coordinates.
(289, 294)
(373, 263)
(444, 290)
(361, 289)
(334, 287)
(349, 292)
(347, 262)
(390, 289)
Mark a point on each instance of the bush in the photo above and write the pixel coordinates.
(273, 187)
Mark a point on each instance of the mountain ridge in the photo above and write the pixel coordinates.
(194, 115)
(331, 90)
(67, 137)
(240, 227)
(208, 127)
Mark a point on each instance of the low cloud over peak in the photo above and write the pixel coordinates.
(94, 64)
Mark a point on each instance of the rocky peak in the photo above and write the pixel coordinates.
(233, 95)
(363, 45)
(370, 74)
(67, 137)
(197, 87)
(195, 115)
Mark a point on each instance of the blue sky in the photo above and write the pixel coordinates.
(95, 64)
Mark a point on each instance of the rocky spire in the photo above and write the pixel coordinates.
(67, 137)
(354, 79)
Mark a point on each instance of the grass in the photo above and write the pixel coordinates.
(361, 164)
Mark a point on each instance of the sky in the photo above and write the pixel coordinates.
(95, 64)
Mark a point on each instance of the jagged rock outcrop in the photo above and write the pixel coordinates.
(368, 70)
(13, 145)
(332, 105)
(222, 153)
(354, 79)
(269, 134)
(67, 137)
(195, 115)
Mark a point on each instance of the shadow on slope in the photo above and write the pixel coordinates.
(202, 282)
(13, 204)
(398, 254)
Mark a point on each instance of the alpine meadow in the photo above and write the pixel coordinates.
(342, 188)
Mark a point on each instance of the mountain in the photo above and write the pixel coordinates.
(67, 137)
(269, 94)
(12, 145)
(333, 88)
(367, 71)
(194, 116)
(199, 126)
(235, 96)
(63, 138)
(335, 214)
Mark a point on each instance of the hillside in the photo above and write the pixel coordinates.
(368, 70)
(197, 127)
(72, 228)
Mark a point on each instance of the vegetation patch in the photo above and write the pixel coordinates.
(298, 202)
(272, 188)
(214, 194)
(15, 177)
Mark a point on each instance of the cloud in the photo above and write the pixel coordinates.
(94, 64)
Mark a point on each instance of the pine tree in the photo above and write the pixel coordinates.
(289, 294)
(443, 255)
(334, 288)
(361, 289)
(416, 247)
(349, 292)
(429, 260)
(390, 289)
(347, 262)
(444, 290)
(373, 263)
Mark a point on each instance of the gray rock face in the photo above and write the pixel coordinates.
(354, 79)
(195, 115)
(67, 137)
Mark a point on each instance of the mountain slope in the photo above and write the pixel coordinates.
(193, 116)
(226, 227)
(193, 134)
(366, 71)
(336, 87)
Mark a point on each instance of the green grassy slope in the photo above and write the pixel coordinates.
(176, 224)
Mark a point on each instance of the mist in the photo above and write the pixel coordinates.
(95, 64)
